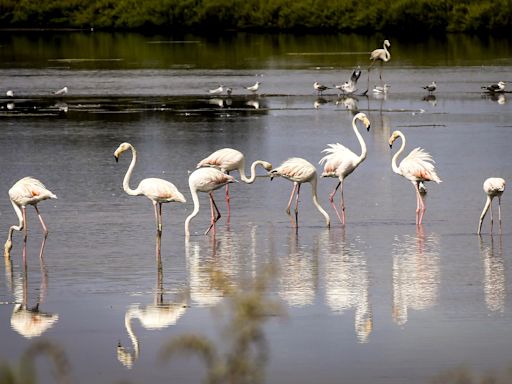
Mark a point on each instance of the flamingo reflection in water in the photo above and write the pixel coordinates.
(347, 281)
(29, 321)
(494, 274)
(156, 316)
(416, 273)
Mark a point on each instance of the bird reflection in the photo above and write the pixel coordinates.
(298, 278)
(415, 273)
(494, 274)
(430, 99)
(29, 321)
(347, 282)
(155, 316)
(349, 102)
(319, 102)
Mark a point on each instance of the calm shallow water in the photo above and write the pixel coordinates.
(378, 301)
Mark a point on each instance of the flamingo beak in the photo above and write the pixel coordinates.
(117, 158)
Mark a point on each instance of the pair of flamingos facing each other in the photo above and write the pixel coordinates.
(339, 162)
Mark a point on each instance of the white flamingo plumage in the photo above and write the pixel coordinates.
(27, 191)
(416, 167)
(381, 55)
(300, 171)
(341, 162)
(229, 159)
(159, 191)
(206, 180)
(493, 187)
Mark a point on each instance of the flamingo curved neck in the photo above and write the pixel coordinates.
(21, 224)
(387, 55)
(317, 204)
(127, 177)
(364, 151)
(484, 212)
(251, 179)
(395, 156)
(195, 199)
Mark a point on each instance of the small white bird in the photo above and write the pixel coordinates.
(497, 87)
(493, 187)
(254, 88)
(431, 87)
(217, 91)
(320, 87)
(381, 89)
(62, 91)
(9, 93)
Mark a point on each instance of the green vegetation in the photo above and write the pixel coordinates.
(362, 16)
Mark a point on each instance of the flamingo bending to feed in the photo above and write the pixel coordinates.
(381, 55)
(299, 171)
(229, 159)
(493, 187)
(341, 162)
(27, 191)
(159, 191)
(206, 180)
(416, 167)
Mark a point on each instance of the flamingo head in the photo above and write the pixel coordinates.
(387, 43)
(395, 135)
(362, 117)
(123, 147)
(266, 165)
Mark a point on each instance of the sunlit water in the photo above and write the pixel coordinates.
(379, 300)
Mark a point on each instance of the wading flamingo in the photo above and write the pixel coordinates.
(159, 191)
(299, 171)
(206, 180)
(493, 187)
(381, 55)
(229, 159)
(416, 167)
(341, 162)
(27, 191)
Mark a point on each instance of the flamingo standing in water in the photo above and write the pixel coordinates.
(299, 171)
(381, 55)
(341, 162)
(27, 191)
(206, 180)
(493, 187)
(417, 167)
(159, 191)
(229, 159)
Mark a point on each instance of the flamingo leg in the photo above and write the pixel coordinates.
(291, 198)
(492, 219)
(331, 200)
(499, 211)
(418, 204)
(297, 206)
(215, 216)
(157, 218)
(423, 208)
(342, 205)
(45, 229)
(158, 246)
(228, 199)
(24, 213)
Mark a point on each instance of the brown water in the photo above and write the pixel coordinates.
(379, 300)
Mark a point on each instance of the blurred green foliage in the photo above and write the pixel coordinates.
(361, 16)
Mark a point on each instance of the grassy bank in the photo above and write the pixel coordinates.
(362, 16)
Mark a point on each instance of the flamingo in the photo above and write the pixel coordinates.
(493, 187)
(416, 167)
(341, 162)
(299, 171)
(27, 191)
(206, 180)
(159, 191)
(229, 159)
(382, 55)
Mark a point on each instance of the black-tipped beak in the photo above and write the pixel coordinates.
(368, 128)
(390, 145)
(117, 158)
